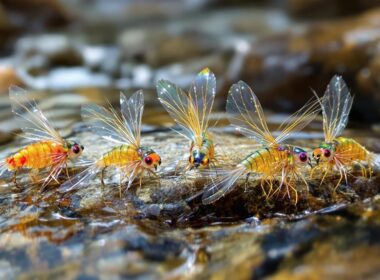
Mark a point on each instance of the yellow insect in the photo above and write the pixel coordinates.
(132, 158)
(339, 153)
(191, 112)
(49, 150)
(273, 160)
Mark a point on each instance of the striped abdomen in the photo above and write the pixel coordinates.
(265, 161)
(207, 147)
(37, 155)
(119, 156)
(347, 150)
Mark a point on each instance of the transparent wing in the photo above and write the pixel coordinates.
(299, 119)
(336, 105)
(246, 114)
(222, 185)
(30, 118)
(107, 123)
(191, 111)
(132, 110)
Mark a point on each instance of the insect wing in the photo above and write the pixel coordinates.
(299, 120)
(246, 114)
(132, 110)
(202, 95)
(191, 111)
(336, 105)
(106, 123)
(30, 117)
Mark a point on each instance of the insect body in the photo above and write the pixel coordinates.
(132, 158)
(49, 151)
(191, 112)
(338, 153)
(271, 161)
(201, 155)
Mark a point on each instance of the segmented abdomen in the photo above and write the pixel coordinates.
(348, 150)
(208, 147)
(266, 161)
(120, 156)
(37, 155)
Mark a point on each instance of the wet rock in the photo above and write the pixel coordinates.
(163, 230)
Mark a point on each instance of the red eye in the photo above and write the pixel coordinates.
(303, 157)
(148, 160)
(327, 153)
(75, 149)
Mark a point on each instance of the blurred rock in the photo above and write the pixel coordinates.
(35, 15)
(53, 50)
(322, 9)
(283, 68)
(8, 77)
(156, 47)
(66, 79)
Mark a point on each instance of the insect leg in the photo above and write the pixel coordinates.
(141, 174)
(340, 178)
(246, 181)
(324, 176)
(363, 169)
(67, 170)
(14, 179)
(102, 179)
(102, 176)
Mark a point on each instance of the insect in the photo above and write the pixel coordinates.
(48, 151)
(191, 112)
(132, 158)
(273, 159)
(338, 153)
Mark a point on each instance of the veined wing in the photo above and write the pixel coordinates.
(336, 105)
(299, 119)
(107, 123)
(30, 117)
(191, 111)
(132, 110)
(246, 114)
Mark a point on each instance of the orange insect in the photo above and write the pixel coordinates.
(49, 151)
(129, 156)
(339, 153)
(191, 112)
(274, 160)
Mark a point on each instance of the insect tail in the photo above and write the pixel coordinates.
(222, 185)
(80, 179)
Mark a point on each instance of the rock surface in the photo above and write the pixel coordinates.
(163, 230)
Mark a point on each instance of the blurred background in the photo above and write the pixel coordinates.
(72, 52)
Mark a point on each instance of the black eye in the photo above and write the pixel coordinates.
(303, 157)
(148, 160)
(327, 153)
(159, 162)
(76, 149)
